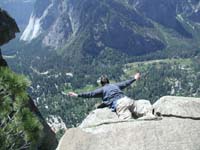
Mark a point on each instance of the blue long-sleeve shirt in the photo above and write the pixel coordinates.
(110, 93)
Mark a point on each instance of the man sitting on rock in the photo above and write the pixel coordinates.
(113, 97)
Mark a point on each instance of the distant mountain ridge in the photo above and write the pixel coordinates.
(127, 26)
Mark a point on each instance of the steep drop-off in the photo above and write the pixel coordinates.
(48, 141)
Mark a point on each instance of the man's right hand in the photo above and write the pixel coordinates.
(137, 76)
(72, 94)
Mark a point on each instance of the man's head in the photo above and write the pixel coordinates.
(104, 80)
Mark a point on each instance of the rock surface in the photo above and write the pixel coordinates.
(178, 106)
(174, 133)
(2, 61)
(143, 109)
(16, 9)
(8, 28)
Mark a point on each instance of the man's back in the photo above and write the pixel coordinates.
(111, 92)
(112, 95)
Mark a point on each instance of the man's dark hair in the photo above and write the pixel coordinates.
(104, 80)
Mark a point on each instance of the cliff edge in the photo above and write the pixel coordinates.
(8, 29)
(177, 129)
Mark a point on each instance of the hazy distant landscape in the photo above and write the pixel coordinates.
(67, 45)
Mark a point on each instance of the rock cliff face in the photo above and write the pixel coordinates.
(2, 61)
(129, 26)
(179, 129)
(18, 9)
(8, 28)
(92, 25)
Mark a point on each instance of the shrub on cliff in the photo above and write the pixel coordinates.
(19, 127)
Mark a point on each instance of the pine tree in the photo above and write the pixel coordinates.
(19, 127)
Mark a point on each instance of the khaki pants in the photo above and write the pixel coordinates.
(125, 108)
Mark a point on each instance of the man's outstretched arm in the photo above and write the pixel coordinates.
(96, 93)
(127, 83)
